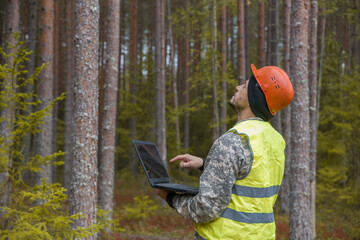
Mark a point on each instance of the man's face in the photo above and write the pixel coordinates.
(240, 99)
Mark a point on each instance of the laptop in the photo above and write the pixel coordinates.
(155, 170)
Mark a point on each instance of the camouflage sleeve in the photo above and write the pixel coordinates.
(228, 159)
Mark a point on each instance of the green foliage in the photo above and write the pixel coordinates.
(338, 190)
(140, 208)
(104, 223)
(41, 211)
(47, 219)
(14, 103)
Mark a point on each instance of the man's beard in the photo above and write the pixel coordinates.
(234, 107)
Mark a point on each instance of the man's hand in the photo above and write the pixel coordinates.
(188, 161)
(161, 193)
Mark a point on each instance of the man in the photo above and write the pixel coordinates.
(243, 171)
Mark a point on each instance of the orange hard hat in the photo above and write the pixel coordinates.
(276, 86)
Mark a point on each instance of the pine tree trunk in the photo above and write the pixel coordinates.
(69, 101)
(232, 37)
(261, 35)
(247, 38)
(173, 78)
(83, 191)
(45, 86)
(355, 36)
(300, 219)
(186, 80)
(31, 32)
(313, 107)
(133, 65)
(216, 131)
(160, 122)
(223, 106)
(58, 75)
(273, 32)
(286, 116)
(8, 113)
(322, 54)
(241, 42)
(273, 48)
(107, 130)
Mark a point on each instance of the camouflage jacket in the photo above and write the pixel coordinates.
(228, 160)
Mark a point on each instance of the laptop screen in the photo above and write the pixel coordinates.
(151, 160)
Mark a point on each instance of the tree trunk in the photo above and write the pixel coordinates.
(58, 74)
(347, 44)
(286, 116)
(261, 35)
(214, 73)
(241, 42)
(186, 79)
(355, 36)
(313, 107)
(247, 38)
(300, 219)
(31, 32)
(322, 54)
(107, 130)
(224, 101)
(273, 48)
(232, 37)
(133, 65)
(43, 140)
(69, 101)
(8, 113)
(160, 122)
(83, 192)
(273, 32)
(173, 78)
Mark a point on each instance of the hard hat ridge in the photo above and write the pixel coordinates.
(275, 85)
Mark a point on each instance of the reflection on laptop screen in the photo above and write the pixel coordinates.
(152, 161)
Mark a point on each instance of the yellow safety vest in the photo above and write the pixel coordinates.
(249, 214)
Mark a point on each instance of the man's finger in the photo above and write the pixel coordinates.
(179, 157)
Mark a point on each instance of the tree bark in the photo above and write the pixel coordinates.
(173, 80)
(216, 130)
(247, 38)
(43, 140)
(313, 109)
(69, 101)
(355, 36)
(58, 75)
(108, 127)
(224, 100)
(273, 32)
(322, 54)
(8, 113)
(83, 192)
(241, 42)
(273, 49)
(160, 122)
(300, 219)
(286, 116)
(186, 79)
(31, 32)
(133, 65)
(261, 35)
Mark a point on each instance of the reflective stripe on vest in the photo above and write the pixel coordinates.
(249, 214)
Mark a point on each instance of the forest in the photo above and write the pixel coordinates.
(79, 80)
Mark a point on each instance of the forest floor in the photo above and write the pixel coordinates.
(143, 216)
